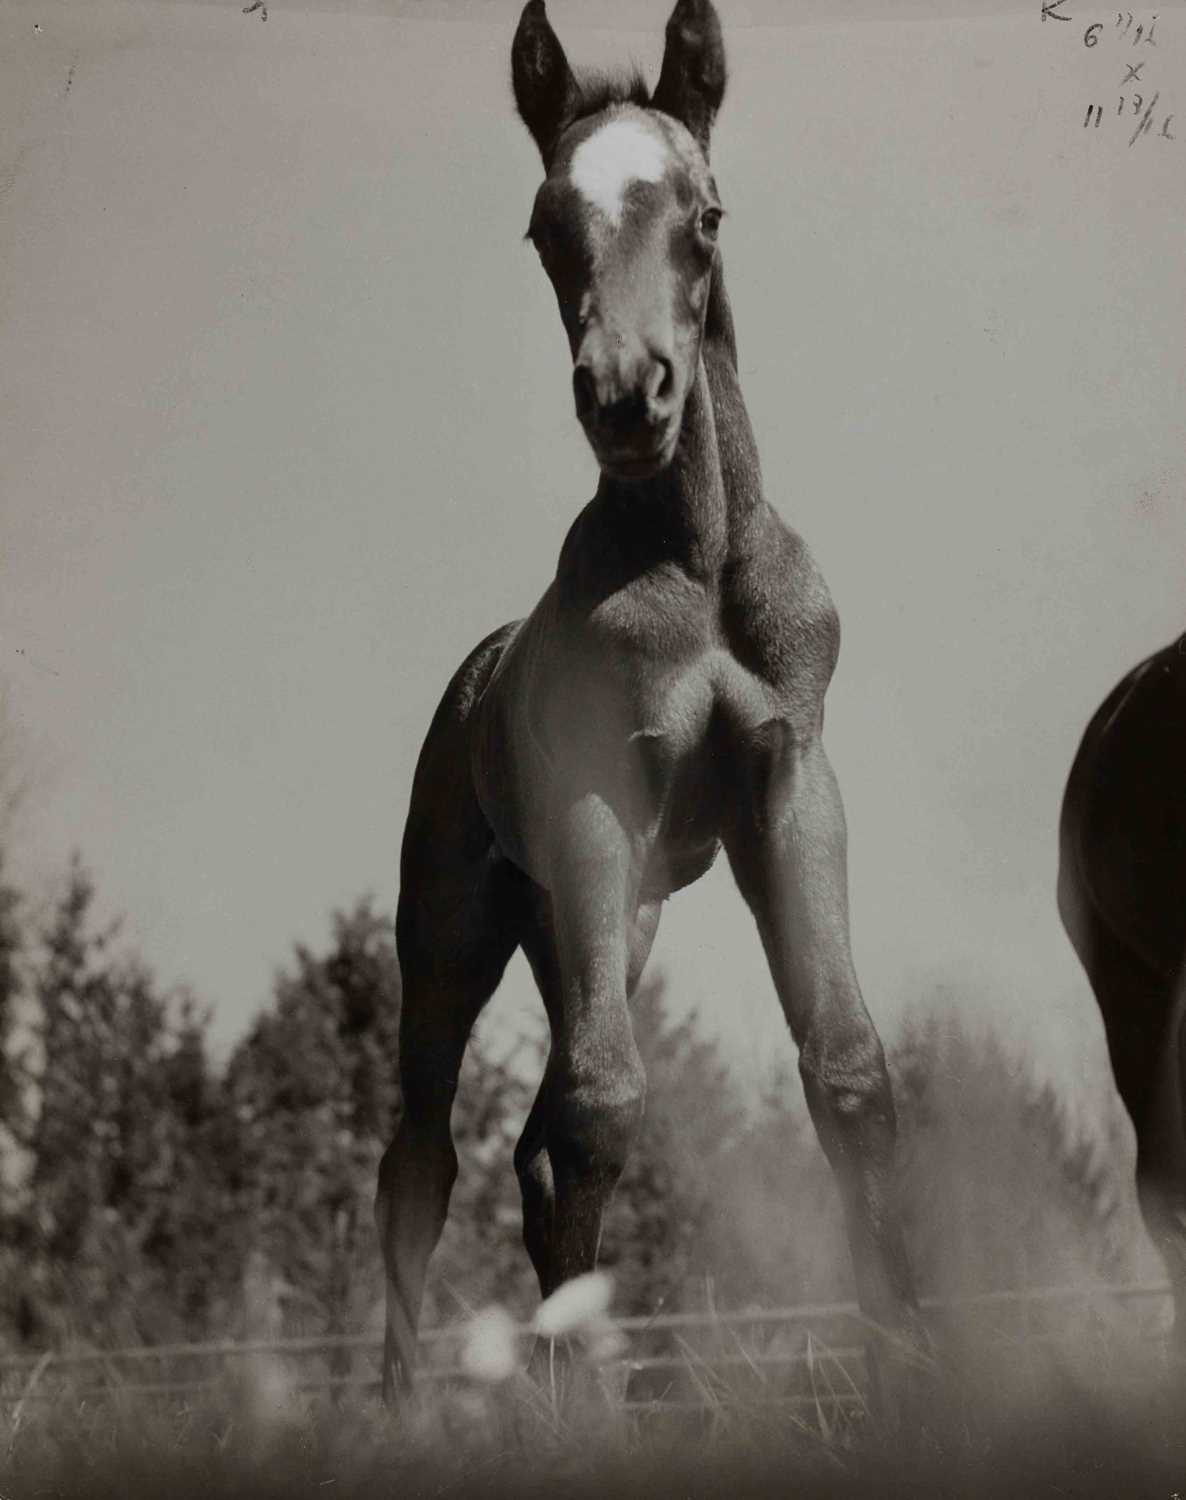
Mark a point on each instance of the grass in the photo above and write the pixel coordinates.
(1080, 1410)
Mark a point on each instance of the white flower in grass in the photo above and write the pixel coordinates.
(488, 1350)
(603, 1342)
(581, 1303)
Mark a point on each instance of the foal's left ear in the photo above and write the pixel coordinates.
(692, 80)
(545, 89)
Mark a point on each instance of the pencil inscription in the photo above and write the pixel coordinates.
(1139, 100)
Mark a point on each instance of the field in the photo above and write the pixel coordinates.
(1063, 1393)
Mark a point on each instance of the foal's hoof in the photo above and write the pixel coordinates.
(398, 1391)
(904, 1376)
(551, 1366)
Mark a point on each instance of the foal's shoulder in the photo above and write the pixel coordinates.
(778, 611)
(776, 564)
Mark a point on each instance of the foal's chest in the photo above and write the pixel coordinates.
(650, 693)
(755, 641)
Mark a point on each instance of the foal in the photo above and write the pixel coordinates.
(664, 698)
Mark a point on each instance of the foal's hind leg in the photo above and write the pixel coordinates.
(457, 925)
(449, 970)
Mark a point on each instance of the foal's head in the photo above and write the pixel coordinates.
(626, 224)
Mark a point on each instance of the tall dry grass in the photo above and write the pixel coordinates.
(1081, 1406)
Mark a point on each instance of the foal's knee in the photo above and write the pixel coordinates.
(597, 1117)
(847, 1085)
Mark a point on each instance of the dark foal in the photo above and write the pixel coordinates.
(1122, 896)
(664, 698)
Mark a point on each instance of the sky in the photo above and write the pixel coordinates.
(287, 428)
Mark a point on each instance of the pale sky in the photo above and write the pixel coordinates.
(287, 428)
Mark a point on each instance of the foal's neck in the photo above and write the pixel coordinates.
(706, 500)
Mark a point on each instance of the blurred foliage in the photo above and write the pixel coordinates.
(1002, 1187)
(150, 1196)
(11, 950)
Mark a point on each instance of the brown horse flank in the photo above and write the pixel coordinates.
(1122, 896)
(664, 698)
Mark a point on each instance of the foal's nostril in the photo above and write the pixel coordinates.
(584, 390)
(661, 381)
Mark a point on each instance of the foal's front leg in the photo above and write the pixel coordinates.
(532, 1161)
(598, 1081)
(787, 850)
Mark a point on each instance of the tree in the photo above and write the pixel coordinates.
(777, 1231)
(1000, 1187)
(12, 944)
(314, 1088)
(193, 1240)
(289, 1086)
(114, 1133)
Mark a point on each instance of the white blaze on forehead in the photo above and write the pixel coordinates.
(620, 153)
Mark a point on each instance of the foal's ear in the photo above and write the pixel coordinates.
(545, 89)
(692, 80)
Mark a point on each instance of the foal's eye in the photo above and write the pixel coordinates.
(544, 242)
(710, 222)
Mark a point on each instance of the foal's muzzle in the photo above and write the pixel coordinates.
(626, 401)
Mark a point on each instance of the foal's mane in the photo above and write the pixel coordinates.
(597, 91)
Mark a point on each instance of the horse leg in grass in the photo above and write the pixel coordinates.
(533, 1162)
(456, 928)
(1147, 1048)
(441, 1001)
(787, 851)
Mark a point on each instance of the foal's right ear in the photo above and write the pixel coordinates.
(545, 89)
